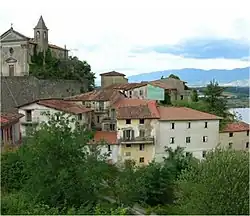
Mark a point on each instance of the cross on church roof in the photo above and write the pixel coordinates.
(11, 25)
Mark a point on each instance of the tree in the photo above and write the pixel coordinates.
(167, 99)
(46, 66)
(194, 95)
(173, 76)
(218, 185)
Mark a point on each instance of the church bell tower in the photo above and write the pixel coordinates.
(41, 35)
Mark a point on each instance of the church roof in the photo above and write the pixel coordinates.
(16, 32)
(41, 24)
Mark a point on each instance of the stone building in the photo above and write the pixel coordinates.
(17, 49)
(111, 78)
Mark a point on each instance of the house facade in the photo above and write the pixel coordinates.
(10, 128)
(195, 131)
(35, 112)
(235, 135)
(111, 78)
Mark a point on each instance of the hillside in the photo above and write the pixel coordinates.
(199, 77)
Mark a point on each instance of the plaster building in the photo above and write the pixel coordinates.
(197, 132)
(236, 136)
(34, 113)
(16, 49)
(112, 77)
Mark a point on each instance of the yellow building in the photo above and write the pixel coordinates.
(136, 129)
(236, 136)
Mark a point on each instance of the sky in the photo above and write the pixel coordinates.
(140, 36)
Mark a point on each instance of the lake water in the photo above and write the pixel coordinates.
(242, 114)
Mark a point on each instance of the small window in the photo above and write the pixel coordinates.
(11, 70)
(141, 92)
(141, 121)
(204, 138)
(142, 146)
(112, 127)
(128, 121)
(44, 35)
(171, 140)
(189, 154)
(37, 35)
(230, 145)
(98, 119)
(188, 139)
(28, 115)
(247, 144)
(83, 102)
(248, 133)
(205, 125)
(128, 154)
(172, 125)
(128, 145)
(231, 134)
(204, 154)
(109, 147)
(79, 117)
(141, 160)
(189, 125)
(130, 94)
(142, 133)
(182, 97)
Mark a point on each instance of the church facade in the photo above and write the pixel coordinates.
(16, 49)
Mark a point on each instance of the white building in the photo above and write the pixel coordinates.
(34, 113)
(197, 132)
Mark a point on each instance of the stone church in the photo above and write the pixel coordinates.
(17, 49)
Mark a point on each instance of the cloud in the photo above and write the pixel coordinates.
(201, 48)
(105, 32)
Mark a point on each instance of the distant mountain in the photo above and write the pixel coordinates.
(199, 77)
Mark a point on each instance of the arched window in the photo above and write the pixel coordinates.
(11, 51)
(37, 35)
(44, 35)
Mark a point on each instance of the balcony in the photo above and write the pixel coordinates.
(136, 140)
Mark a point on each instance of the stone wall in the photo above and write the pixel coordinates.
(16, 91)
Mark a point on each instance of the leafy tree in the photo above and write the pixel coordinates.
(174, 76)
(218, 185)
(167, 99)
(162, 77)
(46, 66)
(194, 95)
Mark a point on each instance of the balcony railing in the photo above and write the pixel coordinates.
(144, 140)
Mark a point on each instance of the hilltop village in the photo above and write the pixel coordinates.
(152, 147)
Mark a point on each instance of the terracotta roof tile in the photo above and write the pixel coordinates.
(126, 86)
(109, 136)
(65, 106)
(184, 113)
(161, 84)
(112, 73)
(136, 108)
(99, 95)
(236, 127)
(8, 118)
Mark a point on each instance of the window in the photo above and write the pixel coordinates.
(141, 160)
(130, 94)
(205, 125)
(57, 117)
(141, 121)
(37, 35)
(44, 35)
(28, 116)
(128, 121)
(101, 105)
(171, 140)
(189, 125)
(142, 133)
(127, 154)
(128, 145)
(248, 133)
(204, 154)
(182, 97)
(11, 70)
(112, 127)
(247, 144)
(109, 148)
(128, 134)
(172, 125)
(188, 139)
(83, 102)
(112, 114)
(98, 119)
(142, 147)
(230, 145)
(11, 50)
(189, 154)
(231, 134)
(204, 138)
(79, 117)
(141, 92)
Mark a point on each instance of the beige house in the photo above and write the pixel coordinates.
(197, 132)
(16, 49)
(111, 78)
(235, 135)
(34, 113)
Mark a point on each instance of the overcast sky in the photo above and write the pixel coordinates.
(138, 36)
